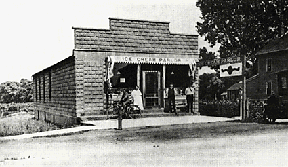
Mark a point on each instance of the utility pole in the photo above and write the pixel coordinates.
(244, 112)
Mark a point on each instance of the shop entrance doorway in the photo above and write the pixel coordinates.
(151, 88)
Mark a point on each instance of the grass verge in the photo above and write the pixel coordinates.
(23, 123)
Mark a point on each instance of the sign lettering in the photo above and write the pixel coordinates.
(219, 61)
(152, 60)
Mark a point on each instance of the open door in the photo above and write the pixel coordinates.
(151, 88)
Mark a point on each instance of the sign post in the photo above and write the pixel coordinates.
(120, 119)
(244, 113)
(232, 66)
(240, 102)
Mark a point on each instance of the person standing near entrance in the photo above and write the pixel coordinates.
(189, 91)
(273, 105)
(171, 99)
(125, 99)
(137, 98)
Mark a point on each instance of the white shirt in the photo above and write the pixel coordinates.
(189, 91)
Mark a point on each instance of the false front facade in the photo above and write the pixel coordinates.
(130, 53)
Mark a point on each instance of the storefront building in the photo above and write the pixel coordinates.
(130, 53)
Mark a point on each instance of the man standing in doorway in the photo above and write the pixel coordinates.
(171, 99)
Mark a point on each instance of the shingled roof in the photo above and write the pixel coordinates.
(239, 84)
(279, 44)
(135, 36)
(235, 86)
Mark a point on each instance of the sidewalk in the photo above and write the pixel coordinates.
(126, 123)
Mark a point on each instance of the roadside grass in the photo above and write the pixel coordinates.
(18, 118)
(23, 123)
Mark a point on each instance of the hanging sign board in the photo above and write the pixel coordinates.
(229, 70)
(122, 80)
(219, 61)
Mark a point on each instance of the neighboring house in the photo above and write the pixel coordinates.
(130, 53)
(224, 96)
(272, 74)
(233, 92)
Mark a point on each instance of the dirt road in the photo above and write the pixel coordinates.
(214, 144)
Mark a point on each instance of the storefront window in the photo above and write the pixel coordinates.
(153, 79)
(178, 75)
(124, 76)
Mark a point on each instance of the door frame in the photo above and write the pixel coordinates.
(158, 87)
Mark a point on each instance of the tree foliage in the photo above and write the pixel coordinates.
(11, 91)
(205, 55)
(242, 26)
(211, 86)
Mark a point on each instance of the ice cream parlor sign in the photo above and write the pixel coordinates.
(152, 60)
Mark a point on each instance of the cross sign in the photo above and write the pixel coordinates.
(230, 69)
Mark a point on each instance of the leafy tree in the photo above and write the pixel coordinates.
(205, 55)
(204, 82)
(242, 26)
(211, 86)
(27, 92)
(16, 92)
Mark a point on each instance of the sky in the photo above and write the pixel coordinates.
(37, 34)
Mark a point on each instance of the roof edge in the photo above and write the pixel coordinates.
(45, 69)
(240, 83)
(152, 21)
(90, 28)
(184, 34)
(120, 51)
(263, 53)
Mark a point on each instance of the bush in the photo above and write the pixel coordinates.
(223, 108)
(10, 108)
(256, 111)
(13, 108)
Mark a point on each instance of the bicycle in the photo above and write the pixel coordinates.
(127, 111)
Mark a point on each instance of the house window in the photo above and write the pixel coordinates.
(269, 88)
(39, 88)
(36, 93)
(44, 88)
(49, 86)
(284, 82)
(268, 65)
